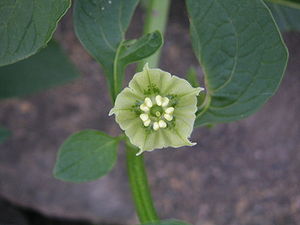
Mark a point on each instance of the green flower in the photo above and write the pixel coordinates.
(157, 110)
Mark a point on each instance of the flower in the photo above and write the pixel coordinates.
(157, 110)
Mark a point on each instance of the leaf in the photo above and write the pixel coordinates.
(26, 26)
(135, 50)
(287, 18)
(86, 156)
(289, 3)
(4, 134)
(167, 222)
(241, 53)
(48, 68)
(101, 26)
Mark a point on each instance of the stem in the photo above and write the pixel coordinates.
(156, 19)
(139, 185)
(118, 75)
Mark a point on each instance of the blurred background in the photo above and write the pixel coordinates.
(242, 173)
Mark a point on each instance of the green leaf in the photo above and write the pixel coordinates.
(241, 53)
(46, 69)
(86, 156)
(101, 26)
(26, 26)
(289, 3)
(288, 19)
(135, 50)
(167, 222)
(4, 134)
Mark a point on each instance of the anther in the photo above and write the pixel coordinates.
(165, 102)
(144, 117)
(144, 108)
(158, 100)
(162, 124)
(169, 110)
(155, 126)
(147, 123)
(148, 102)
(168, 116)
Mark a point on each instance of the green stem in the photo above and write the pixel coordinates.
(119, 70)
(139, 186)
(156, 19)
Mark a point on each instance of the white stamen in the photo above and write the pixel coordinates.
(148, 102)
(158, 100)
(144, 117)
(168, 116)
(109, 2)
(165, 102)
(147, 123)
(162, 124)
(102, 8)
(144, 108)
(169, 110)
(155, 126)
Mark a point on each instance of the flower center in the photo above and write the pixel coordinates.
(156, 113)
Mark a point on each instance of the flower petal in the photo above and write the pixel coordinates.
(127, 119)
(181, 87)
(137, 135)
(126, 99)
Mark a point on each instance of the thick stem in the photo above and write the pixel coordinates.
(139, 186)
(156, 19)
